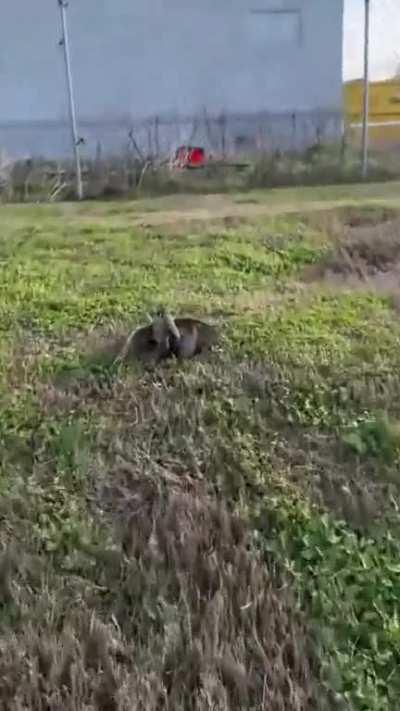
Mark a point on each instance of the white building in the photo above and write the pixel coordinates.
(276, 63)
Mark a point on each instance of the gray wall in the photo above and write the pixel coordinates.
(135, 58)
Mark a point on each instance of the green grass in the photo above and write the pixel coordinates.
(220, 534)
(56, 278)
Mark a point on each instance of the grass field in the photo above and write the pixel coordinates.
(216, 535)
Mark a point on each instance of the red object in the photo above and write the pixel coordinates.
(190, 157)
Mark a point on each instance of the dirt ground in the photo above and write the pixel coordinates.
(174, 211)
(362, 255)
(222, 208)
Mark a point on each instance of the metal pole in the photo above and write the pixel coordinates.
(63, 4)
(366, 93)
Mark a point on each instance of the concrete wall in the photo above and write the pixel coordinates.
(135, 59)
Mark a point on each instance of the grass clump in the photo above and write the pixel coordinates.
(375, 437)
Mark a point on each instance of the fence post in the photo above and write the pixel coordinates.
(63, 4)
(364, 170)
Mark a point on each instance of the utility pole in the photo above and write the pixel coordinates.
(63, 4)
(366, 92)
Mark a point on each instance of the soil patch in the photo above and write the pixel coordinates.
(363, 255)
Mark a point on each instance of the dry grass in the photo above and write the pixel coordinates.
(127, 176)
(186, 618)
(176, 611)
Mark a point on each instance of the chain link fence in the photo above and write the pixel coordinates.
(124, 156)
(159, 136)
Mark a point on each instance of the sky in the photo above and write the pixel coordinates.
(385, 38)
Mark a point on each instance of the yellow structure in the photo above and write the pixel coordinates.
(384, 111)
